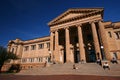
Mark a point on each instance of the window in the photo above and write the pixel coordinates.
(24, 60)
(33, 47)
(41, 46)
(12, 50)
(46, 59)
(48, 45)
(40, 59)
(26, 48)
(117, 35)
(31, 59)
(109, 33)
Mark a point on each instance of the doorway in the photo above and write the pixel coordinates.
(76, 56)
(91, 56)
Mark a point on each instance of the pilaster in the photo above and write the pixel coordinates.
(104, 40)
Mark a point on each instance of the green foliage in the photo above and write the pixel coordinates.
(14, 68)
(5, 55)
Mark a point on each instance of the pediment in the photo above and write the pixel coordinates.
(74, 13)
(71, 15)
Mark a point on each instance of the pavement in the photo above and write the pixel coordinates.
(57, 77)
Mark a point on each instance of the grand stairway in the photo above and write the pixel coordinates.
(67, 69)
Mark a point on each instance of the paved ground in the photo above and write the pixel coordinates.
(56, 77)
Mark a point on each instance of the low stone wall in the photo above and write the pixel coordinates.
(31, 65)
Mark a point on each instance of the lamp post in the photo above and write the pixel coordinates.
(50, 53)
(102, 52)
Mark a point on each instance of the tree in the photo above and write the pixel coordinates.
(5, 55)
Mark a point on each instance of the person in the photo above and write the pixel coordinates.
(114, 60)
(99, 61)
(82, 61)
(45, 64)
(106, 65)
(74, 66)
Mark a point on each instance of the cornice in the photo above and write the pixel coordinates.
(36, 40)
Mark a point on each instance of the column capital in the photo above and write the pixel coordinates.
(66, 27)
(101, 20)
(78, 25)
(54, 30)
(92, 22)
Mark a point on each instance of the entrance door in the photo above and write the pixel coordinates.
(64, 57)
(91, 56)
(76, 57)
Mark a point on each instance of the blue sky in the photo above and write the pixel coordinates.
(27, 19)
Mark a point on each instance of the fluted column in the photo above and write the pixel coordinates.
(67, 44)
(81, 44)
(96, 41)
(104, 40)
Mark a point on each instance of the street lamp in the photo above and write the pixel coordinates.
(50, 53)
(102, 52)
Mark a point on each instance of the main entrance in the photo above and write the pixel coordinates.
(76, 57)
(75, 34)
(74, 54)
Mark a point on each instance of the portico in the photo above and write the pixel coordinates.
(75, 36)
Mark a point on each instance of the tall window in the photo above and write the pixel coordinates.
(31, 59)
(109, 33)
(40, 59)
(26, 48)
(33, 47)
(24, 60)
(117, 34)
(41, 46)
(12, 50)
(48, 45)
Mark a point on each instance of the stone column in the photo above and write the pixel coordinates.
(96, 41)
(104, 40)
(56, 46)
(81, 44)
(51, 44)
(67, 44)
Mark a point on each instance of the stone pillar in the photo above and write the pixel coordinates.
(51, 44)
(67, 44)
(81, 44)
(96, 41)
(104, 40)
(56, 54)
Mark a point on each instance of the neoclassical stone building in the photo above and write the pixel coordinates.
(79, 34)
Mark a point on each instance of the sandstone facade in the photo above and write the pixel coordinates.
(79, 34)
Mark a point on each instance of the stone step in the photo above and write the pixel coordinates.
(83, 69)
